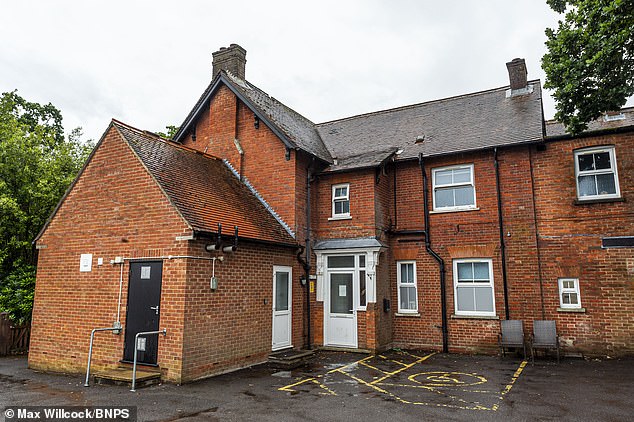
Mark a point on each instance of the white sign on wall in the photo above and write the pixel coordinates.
(85, 262)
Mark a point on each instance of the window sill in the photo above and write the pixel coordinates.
(346, 217)
(598, 201)
(407, 314)
(572, 310)
(493, 317)
(453, 210)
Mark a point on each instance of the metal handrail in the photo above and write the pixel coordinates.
(92, 337)
(136, 345)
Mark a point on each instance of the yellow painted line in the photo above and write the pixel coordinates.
(508, 387)
(372, 367)
(516, 375)
(290, 386)
(391, 374)
(328, 390)
(312, 379)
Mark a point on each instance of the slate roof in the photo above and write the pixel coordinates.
(294, 129)
(464, 123)
(203, 189)
(554, 129)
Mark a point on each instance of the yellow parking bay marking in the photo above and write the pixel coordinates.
(407, 366)
(314, 379)
(438, 382)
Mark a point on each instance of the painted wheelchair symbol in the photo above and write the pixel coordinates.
(446, 379)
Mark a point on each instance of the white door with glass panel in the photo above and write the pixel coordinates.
(282, 309)
(341, 300)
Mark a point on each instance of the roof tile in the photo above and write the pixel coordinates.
(203, 189)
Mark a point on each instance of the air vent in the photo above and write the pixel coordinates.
(618, 242)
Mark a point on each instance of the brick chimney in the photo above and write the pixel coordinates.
(231, 59)
(517, 74)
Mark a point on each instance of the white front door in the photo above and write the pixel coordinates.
(282, 312)
(340, 313)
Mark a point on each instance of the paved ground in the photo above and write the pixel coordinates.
(397, 385)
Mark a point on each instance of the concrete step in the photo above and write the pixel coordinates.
(123, 376)
(289, 358)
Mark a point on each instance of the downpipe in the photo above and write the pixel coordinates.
(438, 258)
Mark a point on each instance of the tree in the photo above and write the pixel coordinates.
(37, 164)
(590, 59)
(170, 131)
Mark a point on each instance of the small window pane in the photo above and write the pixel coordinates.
(344, 261)
(443, 177)
(281, 291)
(342, 191)
(605, 184)
(481, 271)
(465, 271)
(408, 298)
(586, 163)
(444, 198)
(407, 273)
(569, 284)
(484, 299)
(465, 299)
(362, 261)
(462, 175)
(362, 288)
(602, 160)
(587, 186)
(566, 298)
(464, 196)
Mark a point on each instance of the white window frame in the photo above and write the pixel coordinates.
(612, 170)
(454, 185)
(563, 290)
(490, 283)
(399, 284)
(337, 216)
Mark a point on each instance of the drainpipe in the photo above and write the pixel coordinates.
(308, 252)
(501, 224)
(438, 258)
(395, 207)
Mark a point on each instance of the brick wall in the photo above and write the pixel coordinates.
(264, 161)
(362, 202)
(570, 246)
(115, 209)
(231, 327)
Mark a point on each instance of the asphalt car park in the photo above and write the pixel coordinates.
(333, 386)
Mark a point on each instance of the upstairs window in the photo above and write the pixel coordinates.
(453, 188)
(341, 201)
(595, 171)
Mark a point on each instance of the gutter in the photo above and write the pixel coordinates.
(438, 258)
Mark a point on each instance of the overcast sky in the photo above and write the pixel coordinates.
(147, 62)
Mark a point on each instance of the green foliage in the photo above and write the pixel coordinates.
(590, 59)
(16, 292)
(170, 132)
(37, 164)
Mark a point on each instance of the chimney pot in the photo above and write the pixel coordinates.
(517, 74)
(231, 59)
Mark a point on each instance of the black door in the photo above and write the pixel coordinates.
(144, 298)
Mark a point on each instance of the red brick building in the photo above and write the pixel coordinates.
(256, 230)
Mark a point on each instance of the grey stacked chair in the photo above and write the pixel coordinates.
(512, 336)
(544, 337)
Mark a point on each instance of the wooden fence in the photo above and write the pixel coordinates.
(14, 339)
